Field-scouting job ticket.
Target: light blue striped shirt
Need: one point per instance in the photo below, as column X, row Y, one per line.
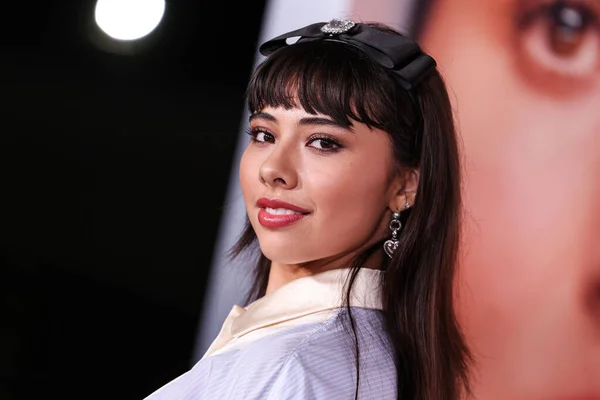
column 313, row 360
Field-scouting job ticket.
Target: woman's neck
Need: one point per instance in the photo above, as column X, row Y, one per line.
column 281, row 274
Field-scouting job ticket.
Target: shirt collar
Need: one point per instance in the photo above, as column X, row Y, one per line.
column 309, row 295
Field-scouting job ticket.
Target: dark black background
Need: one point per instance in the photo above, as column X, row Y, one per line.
column 115, row 161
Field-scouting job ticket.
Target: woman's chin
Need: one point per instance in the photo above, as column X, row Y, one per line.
column 280, row 257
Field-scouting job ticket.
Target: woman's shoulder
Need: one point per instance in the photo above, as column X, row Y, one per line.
column 350, row 335
column 331, row 340
column 308, row 361
column 325, row 364
column 320, row 360
column 331, row 337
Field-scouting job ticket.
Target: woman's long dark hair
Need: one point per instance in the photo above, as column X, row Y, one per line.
column 418, row 287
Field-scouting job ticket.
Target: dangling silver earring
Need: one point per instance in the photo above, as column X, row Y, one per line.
column 391, row 245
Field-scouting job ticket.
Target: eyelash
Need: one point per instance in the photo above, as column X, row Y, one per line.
column 254, row 132
column 325, row 139
column 547, row 8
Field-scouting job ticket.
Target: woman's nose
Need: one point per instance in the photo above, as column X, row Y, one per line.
column 279, row 169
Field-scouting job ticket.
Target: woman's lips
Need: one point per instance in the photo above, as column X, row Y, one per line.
column 275, row 213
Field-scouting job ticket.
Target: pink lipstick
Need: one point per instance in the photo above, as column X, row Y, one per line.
column 278, row 214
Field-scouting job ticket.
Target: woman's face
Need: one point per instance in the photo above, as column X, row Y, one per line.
column 525, row 80
column 314, row 190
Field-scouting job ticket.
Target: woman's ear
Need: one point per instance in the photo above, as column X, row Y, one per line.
column 404, row 191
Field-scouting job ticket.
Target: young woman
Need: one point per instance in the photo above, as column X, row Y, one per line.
column 351, row 181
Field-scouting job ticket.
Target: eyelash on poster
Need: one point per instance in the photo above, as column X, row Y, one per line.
column 531, row 9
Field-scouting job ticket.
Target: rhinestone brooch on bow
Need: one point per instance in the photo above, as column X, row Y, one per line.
column 337, row 26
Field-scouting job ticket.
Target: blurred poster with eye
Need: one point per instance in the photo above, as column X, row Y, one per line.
column 524, row 78
column 230, row 281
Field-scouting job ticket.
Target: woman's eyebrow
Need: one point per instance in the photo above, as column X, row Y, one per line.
column 321, row 121
column 262, row 115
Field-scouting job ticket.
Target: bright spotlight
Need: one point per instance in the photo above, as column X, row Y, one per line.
column 129, row 19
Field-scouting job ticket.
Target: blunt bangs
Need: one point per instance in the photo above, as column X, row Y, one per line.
column 325, row 77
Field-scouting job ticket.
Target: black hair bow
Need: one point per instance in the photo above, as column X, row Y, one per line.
column 397, row 53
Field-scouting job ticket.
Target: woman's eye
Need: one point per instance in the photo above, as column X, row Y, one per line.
column 260, row 136
column 324, row 144
column 562, row 37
